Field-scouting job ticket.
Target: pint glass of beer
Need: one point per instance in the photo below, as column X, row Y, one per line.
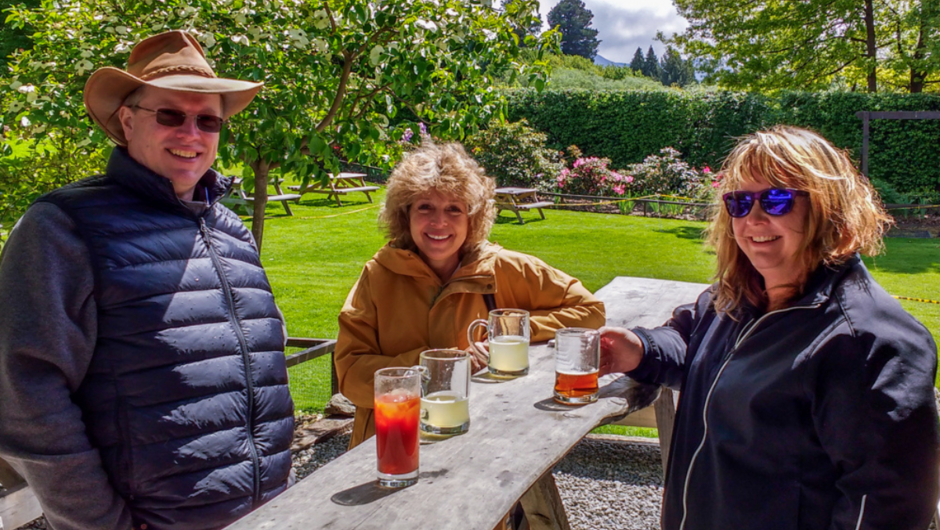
column 508, row 335
column 577, row 357
column 397, row 409
column 445, row 388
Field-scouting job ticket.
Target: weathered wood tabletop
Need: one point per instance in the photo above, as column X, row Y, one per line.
column 517, row 434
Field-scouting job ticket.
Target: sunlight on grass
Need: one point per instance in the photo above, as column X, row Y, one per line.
column 314, row 258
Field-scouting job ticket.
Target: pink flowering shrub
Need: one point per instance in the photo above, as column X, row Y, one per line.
column 591, row 176
column 667, row 174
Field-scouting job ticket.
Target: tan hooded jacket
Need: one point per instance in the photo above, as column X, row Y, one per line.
column 399, row 308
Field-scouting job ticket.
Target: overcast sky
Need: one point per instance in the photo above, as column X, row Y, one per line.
column 624, row 25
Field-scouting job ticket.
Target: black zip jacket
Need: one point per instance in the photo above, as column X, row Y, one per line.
column 817, row 416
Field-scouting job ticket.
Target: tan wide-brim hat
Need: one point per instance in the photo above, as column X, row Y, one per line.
column 174, row 61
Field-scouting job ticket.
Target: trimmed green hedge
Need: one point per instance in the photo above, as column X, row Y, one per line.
column 626, row 126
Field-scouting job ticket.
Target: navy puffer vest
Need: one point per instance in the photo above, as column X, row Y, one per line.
column 186, row 396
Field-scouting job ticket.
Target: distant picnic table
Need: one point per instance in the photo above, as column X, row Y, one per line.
column 469, row 482
column 520, row 199
column 336, row 185
column 237, row 197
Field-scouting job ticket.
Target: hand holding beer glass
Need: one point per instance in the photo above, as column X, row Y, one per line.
column 397, row 407
column 445, row 389
column 577, row 356
column 508, row 336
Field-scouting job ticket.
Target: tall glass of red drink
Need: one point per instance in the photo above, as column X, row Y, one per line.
column 397, row 409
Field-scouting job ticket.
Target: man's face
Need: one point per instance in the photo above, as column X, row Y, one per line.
column 182, row 154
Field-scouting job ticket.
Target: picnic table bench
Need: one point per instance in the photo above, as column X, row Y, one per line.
column 237, row 197
column 469, row 482
column 519, row 199
column 341, row 184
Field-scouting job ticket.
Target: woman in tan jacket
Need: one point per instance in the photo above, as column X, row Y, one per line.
column 424, row 288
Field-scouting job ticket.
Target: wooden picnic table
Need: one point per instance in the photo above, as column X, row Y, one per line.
column 469, row 482
column 519, row 199
column 237, row 197
column 337, row 185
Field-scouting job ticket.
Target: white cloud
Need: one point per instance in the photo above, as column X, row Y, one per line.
column 625, row 25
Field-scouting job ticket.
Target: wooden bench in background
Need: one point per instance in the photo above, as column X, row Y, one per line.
column 519, row 199
column 337, row 185
column 238, row 198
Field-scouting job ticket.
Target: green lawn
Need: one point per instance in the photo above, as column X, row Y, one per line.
column 315, row 257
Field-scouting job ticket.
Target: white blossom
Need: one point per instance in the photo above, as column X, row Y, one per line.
column 427, row 25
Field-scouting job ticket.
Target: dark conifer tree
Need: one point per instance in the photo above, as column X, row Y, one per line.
column 573, row 19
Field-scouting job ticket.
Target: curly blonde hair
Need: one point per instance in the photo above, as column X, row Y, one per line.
column 845, row 213
column 449, row 170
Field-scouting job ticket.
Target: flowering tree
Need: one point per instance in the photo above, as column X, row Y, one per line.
column 335, row 72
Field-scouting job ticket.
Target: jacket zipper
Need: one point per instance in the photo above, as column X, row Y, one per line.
column 243, row 343
column 745, row 333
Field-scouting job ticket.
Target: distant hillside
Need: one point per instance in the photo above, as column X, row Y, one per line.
column 601, row 61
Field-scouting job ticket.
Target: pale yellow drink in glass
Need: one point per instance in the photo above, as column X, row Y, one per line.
column 445, row 412
column 509, row 354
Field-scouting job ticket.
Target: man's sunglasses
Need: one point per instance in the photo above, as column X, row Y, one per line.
column 175, row 118
column 774, row 201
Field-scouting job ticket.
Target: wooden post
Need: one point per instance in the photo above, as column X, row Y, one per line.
column 542, row 505
column 865, row 115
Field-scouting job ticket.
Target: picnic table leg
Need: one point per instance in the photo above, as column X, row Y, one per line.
column 368, row 197
column 286, row 207
column 542, row 214
column 665, row 408
column 543, row 507
column 518, row 215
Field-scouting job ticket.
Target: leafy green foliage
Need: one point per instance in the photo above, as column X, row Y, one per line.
column 13, row 38
column 565, row 79
column 628, row 126
column 772, row 45
column 24, row 177
column 335, row 71
column 515, row 155
column 573, row 20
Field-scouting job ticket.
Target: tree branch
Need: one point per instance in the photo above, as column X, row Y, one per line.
column 340, row 92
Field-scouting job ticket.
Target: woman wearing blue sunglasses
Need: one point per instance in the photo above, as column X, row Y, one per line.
column 807, row 397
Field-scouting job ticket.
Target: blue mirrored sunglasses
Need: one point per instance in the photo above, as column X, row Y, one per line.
column 774, row 201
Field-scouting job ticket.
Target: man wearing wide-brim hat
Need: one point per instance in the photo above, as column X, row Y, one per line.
column 142, row 376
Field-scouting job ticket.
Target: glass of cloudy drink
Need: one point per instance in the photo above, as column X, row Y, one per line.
column 577, row 357
column 445, row 390
column 508, row 336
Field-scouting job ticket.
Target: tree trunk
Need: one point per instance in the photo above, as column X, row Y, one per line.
column 260, row 168
column 918, row 76
column 871, row 51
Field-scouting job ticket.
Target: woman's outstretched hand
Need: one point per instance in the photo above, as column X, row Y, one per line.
column 621, row 350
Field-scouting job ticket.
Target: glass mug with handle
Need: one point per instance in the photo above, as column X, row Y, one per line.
column 577, row 359
column 445, row 392
column 397, row 409
column 508, row 335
